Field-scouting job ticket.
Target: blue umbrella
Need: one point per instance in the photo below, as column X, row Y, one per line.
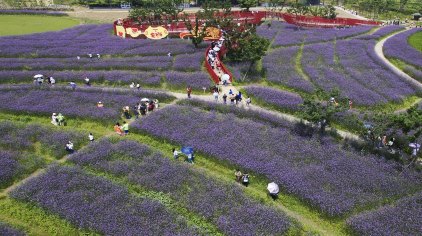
column 187, row 150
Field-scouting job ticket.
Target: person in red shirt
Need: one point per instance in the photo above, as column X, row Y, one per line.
column 189, row 91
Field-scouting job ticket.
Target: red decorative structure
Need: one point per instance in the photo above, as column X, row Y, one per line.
column 315, row 21
column 211, row 71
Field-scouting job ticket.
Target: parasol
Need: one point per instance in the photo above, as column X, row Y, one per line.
column 144, row 100
column 38, row 76
column 225, row 77
column 187, row 150
column 414, row 145
column 273, row 188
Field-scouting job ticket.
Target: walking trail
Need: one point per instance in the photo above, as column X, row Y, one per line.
column 379, row 52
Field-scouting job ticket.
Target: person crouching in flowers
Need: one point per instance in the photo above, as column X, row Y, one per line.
column 117, row 129
column 69, row 147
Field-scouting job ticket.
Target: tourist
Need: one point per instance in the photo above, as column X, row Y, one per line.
column 132, row 85
column 156, row 103
column 60, row 119
column 143, row 108
column 175, row 153
column 117, row 129
column 40, row 80
column 52, row 81
column 191, row 158
column 137, row 110
column 215, row 94
column 151, row 106
column 54, row 119
column 138, row 86
column 126, row 114
column 73, row 85
column 98, row 56
column 91, row 137
column 232, row 98
column 245, row 179
column 248, row 101
column 87, row 83
column 69, row 147
column 230, row 92
column 350, row 104
column 90, row 55
column 189, row 91
column 225, row 99
column 384, row 140
column 125, row 128
column 100, row 104
column 238, row 176
column 78, row 57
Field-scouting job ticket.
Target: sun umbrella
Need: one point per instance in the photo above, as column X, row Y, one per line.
column 187, row 150
column 144, row 100
column 38, row 76
column 416, row 14
column 273, row 188
column 225, row 77
column 414, row 145
column 216, row 49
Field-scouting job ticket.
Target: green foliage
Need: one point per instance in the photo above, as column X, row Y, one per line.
column 247, row 48
column 327, row 11
column 246, row 4
column 156, row 12
column 415, row 40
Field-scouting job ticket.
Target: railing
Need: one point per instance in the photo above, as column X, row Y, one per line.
column 211, row 71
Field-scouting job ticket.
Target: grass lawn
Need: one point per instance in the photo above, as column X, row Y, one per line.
column 28, row 24
column 416, row 40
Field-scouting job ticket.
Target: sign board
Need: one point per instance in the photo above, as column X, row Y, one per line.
column 134, row 32
column 156, row 32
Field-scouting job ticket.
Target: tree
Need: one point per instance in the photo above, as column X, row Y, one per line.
column 247, row 4
column 197, row 30
column 248, row 48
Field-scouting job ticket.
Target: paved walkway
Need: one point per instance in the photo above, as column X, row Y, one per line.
column 379, row 52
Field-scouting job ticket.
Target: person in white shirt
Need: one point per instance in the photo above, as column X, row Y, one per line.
column 175, row 153
column 54, row 119
column 69, row 147
column 91, row 137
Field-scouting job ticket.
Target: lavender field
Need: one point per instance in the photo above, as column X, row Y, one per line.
column 329, row 178
column 224, row 205
column 117, row 184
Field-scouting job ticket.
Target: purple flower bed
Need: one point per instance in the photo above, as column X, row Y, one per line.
column 280, row 66
column 189, row 62
column 322, row 174
column 398, row 47
column 80, row 103
column 196, row 80
column 293, row 35
column 383, row 31
column 9, row 231
column 114, row 77
column 31, row 12
column 95, row 203
column 357, row 73
column 225, row 205
column 138, row 63
column 81, row 40
column 270, row 32
column 8, row 167
column 280, row 99
column 358, row 58
column 22, row 138
column 402, row 218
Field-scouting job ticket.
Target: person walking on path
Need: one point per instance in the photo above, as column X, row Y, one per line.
column 225, row 99
column 91, row 137
column 60, row 119
column 238, row 176
column 125, row 128
column 215, row 94
column 73, row 85
column 138, row 86
column 350, row 104
column 189, row 91
column 54, row 119
column 175, row 153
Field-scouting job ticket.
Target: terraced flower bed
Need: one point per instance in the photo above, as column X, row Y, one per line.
column 398, row 219
column 24, row 148
column 224, row 205
column 97, row 204
column 329, row 178
column 280, row 99
column 80, row 103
